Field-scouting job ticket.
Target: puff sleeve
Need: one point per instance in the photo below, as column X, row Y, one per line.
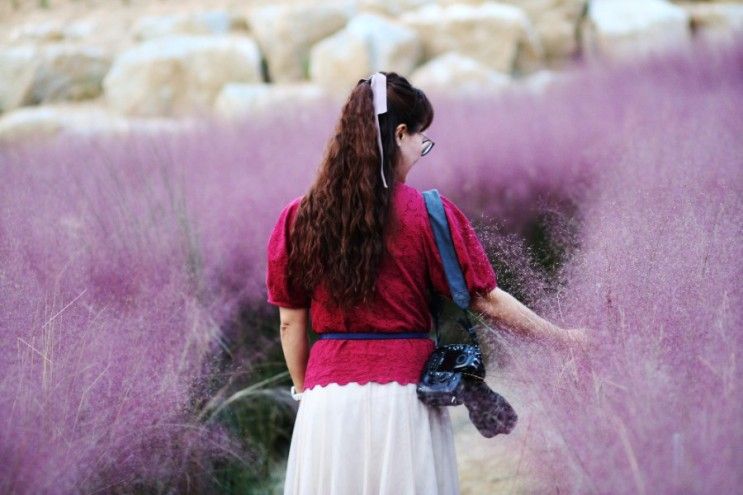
column 479, row 274
column 279, row 289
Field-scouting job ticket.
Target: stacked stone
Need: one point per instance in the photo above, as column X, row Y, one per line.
column 234, row 64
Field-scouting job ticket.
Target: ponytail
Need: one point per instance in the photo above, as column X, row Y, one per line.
column 338, row 235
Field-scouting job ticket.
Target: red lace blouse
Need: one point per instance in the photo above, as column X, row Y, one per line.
column 407, row 276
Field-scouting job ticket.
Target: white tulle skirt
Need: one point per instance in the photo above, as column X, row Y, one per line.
column 370, row 439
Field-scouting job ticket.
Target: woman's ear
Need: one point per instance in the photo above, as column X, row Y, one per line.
column 400, row 132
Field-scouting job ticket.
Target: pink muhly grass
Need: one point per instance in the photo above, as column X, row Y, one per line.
column 103, row 329
column 650, row 156
column 100, row 338
column 125, row 263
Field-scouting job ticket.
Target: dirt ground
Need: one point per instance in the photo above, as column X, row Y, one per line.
column 498, row 465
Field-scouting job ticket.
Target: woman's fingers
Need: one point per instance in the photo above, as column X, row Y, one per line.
column 578, row 337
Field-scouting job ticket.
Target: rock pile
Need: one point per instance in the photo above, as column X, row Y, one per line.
column 236, row 62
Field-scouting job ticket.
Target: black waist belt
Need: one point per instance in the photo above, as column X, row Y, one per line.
column 372, row 335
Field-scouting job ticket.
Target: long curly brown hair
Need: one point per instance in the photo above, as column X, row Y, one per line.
column 338, row 235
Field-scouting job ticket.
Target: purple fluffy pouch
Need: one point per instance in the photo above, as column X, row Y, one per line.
column 489, row 411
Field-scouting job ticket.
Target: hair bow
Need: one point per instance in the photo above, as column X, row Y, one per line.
column 378, row 83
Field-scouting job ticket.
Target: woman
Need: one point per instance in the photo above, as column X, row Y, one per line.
column 359, row 247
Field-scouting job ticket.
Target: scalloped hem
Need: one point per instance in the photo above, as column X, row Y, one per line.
column 343, row 383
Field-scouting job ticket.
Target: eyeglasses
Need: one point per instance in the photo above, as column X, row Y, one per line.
column 427, row 145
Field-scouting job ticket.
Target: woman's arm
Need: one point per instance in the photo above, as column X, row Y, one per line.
column 295, row 343
column 508, row 312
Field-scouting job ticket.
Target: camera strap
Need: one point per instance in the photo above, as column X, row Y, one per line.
column 452, row 269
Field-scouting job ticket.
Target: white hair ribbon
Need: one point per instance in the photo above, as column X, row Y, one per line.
column 379, row 91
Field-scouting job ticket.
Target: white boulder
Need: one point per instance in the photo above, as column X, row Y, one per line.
column 499, row 36
column 69, row 72
column 454, row 73
column 34, row 74
column 337, row 60
column 624, row 28
column 206, row 22
column 84, row 30
column 555, row 22
column 178, row 75
column 38, row 123
column 33, row 124
column 391, row 7
column 539, row 82
column 17, row 71
column 55, row 30
column 40, row 31
column 367, row 44
column 30, row 123
column 715, row 20
column 240, row 100
column 286, row 33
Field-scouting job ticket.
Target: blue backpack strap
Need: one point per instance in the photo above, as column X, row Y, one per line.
column 440, row 226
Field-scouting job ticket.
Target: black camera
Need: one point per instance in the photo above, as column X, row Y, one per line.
column 462, row 358
column 442, row 381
